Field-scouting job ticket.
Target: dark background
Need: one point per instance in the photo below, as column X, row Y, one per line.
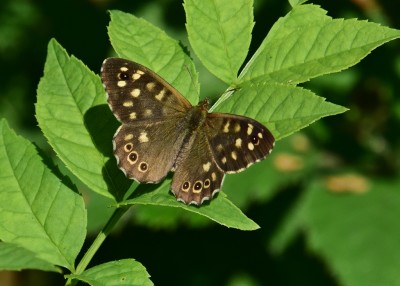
column 206, row 254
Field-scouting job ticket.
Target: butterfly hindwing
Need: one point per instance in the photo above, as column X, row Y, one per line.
column 237, row 141
column 147, row 152
column 197, row 177
column 136, row 93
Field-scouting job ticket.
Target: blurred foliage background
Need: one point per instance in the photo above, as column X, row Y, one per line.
column 345, row 153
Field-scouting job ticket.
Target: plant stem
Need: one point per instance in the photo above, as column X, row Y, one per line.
column 118, row 213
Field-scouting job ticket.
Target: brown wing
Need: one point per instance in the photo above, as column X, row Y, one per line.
column 197, row 177
column 148, row 142
column 137, row 93
column 237, row 141
column 147, row 152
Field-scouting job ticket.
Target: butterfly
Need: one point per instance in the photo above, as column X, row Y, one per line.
column 161, row 132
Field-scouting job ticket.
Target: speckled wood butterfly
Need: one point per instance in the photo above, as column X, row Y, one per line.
column 161, row 132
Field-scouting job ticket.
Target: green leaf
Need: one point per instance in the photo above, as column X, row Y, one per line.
column 284, row 109
column 37, row 212
column 357, row 234
column 220, row 209
column 306, row 43
column 138, row 40
column 73, row 116
column 16, row 258
column 220, row 34
column 121, row 272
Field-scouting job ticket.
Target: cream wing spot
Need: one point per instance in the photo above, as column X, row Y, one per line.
column 223, row 160
column 132, row 115
column 128, row 137
column 150, row 86
column 249, row 128
column 213, row 176
column 206, row 167
column 159, row 96
column 123, row 69
column 220, row 147
column 121, row 83
column 250, row 146
column 226, row 127
column 238, row 143
column 135, row 92
column 260, row 135
column 236, row 128
column 137, row 74
column 234, row 155
column 128, row 103
column 143, row 137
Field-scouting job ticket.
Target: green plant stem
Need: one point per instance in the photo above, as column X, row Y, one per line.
column 115, row 217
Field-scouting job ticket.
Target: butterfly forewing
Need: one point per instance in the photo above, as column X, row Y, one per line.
column 148, row 142
column 136, row 93
column 237, row 141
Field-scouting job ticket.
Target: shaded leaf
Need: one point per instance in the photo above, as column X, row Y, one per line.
column 354, row 232
column 351, row 231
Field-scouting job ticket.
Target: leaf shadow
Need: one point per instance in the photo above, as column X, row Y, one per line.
column 144, row 189
column 101, row 125
column 55, row 169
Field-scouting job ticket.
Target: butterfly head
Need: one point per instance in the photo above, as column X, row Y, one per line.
column 204, row 104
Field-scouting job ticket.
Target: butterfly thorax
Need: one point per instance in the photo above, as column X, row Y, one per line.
column 197, row 115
